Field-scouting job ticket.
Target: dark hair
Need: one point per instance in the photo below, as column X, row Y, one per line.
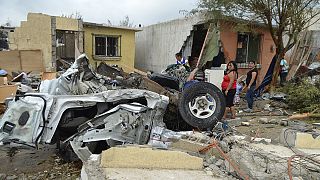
column 235, row 67
column 254, row 62
column 179, row 54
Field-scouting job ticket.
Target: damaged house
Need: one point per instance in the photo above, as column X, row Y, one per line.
column 55, row 37
column 59, row 40
column 110, row 44
column 157, row 44
column 82, row 108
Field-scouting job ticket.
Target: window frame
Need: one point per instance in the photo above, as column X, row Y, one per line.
column 249, row 36
column 106, row 56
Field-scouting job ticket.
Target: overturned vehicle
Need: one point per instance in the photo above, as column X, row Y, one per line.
column 91, row 112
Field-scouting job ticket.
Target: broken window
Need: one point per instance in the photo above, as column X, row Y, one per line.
column 248, row 47
column 65, row 44
column 107, row 46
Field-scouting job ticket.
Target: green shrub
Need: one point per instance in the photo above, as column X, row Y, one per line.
column 302, row 96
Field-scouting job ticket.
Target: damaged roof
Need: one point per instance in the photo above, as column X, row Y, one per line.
column 90, row 24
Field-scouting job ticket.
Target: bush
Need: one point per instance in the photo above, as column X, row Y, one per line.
column 303, row 96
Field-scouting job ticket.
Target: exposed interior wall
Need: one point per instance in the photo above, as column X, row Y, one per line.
column 21, row 60
column 63, row 23
column 38, row 32
column 34, row 34
column 229, row 38
column 157, row 44
column 127, row 46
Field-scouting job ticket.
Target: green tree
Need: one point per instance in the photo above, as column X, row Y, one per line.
column 126, row 22
column 281, row 17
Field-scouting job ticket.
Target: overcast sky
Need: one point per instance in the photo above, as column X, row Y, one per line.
column 143, row 12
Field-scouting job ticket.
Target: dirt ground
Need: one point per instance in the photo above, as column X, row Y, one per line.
column 28, row 163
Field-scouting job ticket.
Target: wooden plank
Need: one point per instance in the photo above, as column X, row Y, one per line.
column 206, row 40
column 48, row 75
column 7, row 91
column 32, row 60
column 10, row 61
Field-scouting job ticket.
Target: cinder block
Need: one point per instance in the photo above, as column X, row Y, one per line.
column 137, row 157
column 188, row 145
column 306, row 140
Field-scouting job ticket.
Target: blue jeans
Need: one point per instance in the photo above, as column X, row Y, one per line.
column 250, row 96
column 283, row 76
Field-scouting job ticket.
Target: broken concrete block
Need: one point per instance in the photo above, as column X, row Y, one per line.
column 136, row 157
column 228, row 167
column 209, row 173
column 263, row 140
column 307, row 140
column 219, row 162
column 150, row 174
column 273, row 121
column 205, row 164
column 245, row 123
column 211, row 159
column 288, row 137
column 264, row 120
column 188, row 145
column 284, row 123
column 294, row 138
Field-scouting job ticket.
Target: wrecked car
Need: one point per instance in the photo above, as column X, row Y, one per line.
column 91, row 112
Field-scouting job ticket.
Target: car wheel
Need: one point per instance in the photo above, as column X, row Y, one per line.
column 202, row 105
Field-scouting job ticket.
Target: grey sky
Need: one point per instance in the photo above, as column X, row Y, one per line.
column 143, row 12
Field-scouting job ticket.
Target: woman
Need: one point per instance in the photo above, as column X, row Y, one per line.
column 228, row 86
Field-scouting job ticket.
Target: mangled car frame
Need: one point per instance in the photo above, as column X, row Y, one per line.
column 91, row 112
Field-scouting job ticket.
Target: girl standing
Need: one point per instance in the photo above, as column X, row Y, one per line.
column 228, row 86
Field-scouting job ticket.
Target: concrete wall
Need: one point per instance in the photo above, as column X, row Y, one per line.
column 229, row 38
column 157, row 44
column 126, row 60
column 34, row 34
column 23, row 60
column 37, row 34
column 63, row 23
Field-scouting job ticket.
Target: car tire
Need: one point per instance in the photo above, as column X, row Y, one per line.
column 202, row 105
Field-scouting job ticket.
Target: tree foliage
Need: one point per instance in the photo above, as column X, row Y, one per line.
column 76, row 15
column 283, row 18
column 126, row 22
column 303, row 96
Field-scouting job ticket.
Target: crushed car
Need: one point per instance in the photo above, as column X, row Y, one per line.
column 91, row 112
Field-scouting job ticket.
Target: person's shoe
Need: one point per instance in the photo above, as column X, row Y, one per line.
column 248, row 110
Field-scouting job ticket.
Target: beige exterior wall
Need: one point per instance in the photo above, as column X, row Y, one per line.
column 63, row 23
column 36, row 34
column 126, row 61
column 22, row 60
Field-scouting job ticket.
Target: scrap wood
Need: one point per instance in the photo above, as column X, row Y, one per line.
column 313, row 114
column 48, row 75
column 2, row 108
column 299, row 116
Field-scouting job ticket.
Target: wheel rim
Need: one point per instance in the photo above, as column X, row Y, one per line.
column 202, row 106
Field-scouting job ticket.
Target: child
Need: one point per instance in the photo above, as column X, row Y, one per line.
column 239, row 88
